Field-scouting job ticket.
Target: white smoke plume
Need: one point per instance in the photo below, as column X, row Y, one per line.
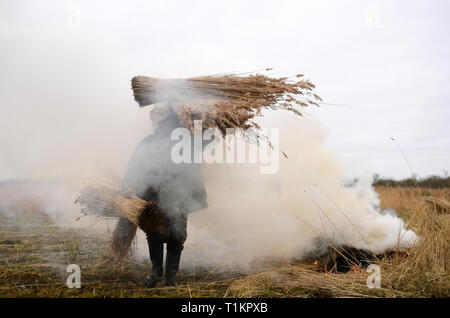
column 67, row 107
column 64, row 135
column 282, row 215
column 252, row 215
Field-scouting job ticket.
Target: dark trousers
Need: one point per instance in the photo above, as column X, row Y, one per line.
column 173, row 232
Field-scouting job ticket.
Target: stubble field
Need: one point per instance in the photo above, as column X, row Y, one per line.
column 34, row 254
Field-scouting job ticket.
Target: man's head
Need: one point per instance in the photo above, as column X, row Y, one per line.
column 160, row 112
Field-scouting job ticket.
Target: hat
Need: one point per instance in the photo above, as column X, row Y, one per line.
column 160, row 111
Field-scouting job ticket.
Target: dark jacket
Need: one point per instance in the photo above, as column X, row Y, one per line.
column 152, row 175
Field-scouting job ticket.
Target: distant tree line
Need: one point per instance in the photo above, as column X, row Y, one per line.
column 431, row 182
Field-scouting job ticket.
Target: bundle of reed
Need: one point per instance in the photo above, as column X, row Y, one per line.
column 122, row 238
column 230, row 101
column 107, row 200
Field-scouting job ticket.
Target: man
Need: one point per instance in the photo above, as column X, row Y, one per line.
column 178, row 188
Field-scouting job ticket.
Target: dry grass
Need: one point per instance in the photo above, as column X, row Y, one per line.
column 408, row 199
column 299, row 281
column 34, row 253
column 425, row 272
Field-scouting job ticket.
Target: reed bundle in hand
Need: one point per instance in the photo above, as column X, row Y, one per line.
column 229, row 101
column 106, row 200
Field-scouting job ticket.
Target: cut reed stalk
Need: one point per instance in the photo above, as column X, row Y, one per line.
column 229, row 101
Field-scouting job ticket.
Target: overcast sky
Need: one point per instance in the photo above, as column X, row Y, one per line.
column 386, row 62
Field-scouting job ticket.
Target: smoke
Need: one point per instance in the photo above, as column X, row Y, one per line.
column 250, row 215
column 67, row 107
column 254, row 216
column 73, row 122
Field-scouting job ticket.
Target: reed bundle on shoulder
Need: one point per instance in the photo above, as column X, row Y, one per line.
column 229, row 101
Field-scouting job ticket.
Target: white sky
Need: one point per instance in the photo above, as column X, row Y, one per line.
column 388, row 60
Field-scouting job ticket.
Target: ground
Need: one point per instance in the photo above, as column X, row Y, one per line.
column 34, row 254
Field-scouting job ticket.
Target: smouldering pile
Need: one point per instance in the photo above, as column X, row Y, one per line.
column 229, row 101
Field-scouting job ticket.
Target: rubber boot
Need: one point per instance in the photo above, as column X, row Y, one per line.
column 175, row 245
column 172, row 265
column 156, row 249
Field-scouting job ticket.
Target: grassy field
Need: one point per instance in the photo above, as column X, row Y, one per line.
column 34, row 253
